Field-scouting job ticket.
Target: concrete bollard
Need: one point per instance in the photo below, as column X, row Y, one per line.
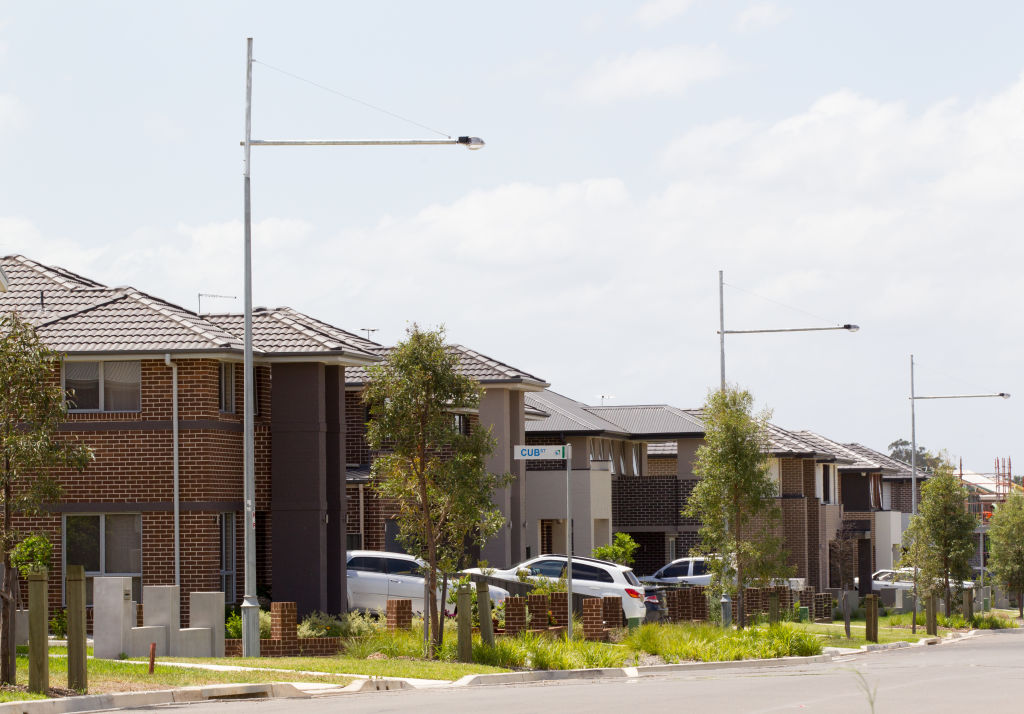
column 726, row 605
column 871, row 618
column 74, row 592
column 464, row 604
column 38, row 642
column 483, row 606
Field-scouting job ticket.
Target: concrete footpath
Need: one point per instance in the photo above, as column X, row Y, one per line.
column 366, row 683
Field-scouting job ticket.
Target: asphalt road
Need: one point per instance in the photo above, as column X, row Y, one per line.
column 983, row 674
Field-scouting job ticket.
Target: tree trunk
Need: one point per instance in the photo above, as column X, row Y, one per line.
column 740, row 618
column 7, row 599
column 444, row 606
column 1020, row 603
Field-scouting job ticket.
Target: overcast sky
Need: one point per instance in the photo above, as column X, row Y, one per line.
column 841, row 162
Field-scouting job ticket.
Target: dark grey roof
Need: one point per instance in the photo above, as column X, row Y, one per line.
column 651, row 421
column 484, row 369
column 844, row 457
column 894, row 469
column 568, row 416
column 76, row 315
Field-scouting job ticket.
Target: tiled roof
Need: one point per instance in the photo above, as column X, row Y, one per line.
column 781, row 442
column 284, row 331
column 568, row 416
column 651, row 420
column 76, row 315
column 484, row 369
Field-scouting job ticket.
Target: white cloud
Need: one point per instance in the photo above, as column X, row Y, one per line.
column 13, row 112
column 658, row 12
column 647, row 73
column 761, row 15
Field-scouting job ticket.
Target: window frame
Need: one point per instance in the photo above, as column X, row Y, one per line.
column 227, row 526
column 101, row 573
column 101, row 387
column 226, row 380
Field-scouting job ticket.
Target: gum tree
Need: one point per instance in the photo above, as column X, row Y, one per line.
column 734, row 500
column 943, row 534
column 32, row 406
column 436, row 474
column 1006, row 538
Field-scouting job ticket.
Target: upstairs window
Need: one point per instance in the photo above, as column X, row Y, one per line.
column 227, row 387
column 461, row 423
column 103, row 386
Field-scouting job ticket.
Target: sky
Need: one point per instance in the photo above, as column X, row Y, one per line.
column 840, row 162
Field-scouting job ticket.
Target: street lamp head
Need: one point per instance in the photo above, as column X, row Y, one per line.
column 851, row 328
column 472, row 142
column 1004, row 395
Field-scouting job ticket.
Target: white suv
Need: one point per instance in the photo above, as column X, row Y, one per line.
column 681, row 571
column 590, row 576
column 375, row 576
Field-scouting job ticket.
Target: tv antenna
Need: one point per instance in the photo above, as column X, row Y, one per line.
column 200, row 296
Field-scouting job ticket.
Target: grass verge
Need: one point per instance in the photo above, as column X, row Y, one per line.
column 707, row 643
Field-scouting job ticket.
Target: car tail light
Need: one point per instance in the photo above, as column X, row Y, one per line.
column 651, row 598
column 634, row 593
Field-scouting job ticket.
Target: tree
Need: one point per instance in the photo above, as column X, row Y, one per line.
column 942, row 534
column 842, row 554
column 1006, row 538
column 734, row 500
column 436, row 474
column 620, row 550
column 32, row 406
column 926, row 460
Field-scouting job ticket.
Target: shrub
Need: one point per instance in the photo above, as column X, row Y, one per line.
column 233, row 626
column 620, row 551
column 706, row 643
column 59, row 624
column 35, row 551
column 352, row 624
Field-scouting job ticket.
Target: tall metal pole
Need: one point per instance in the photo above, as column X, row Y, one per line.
column 721, row 324
column 568, row 534
column 250, row 605
column 913, row 443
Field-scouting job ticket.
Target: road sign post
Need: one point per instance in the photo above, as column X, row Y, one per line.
column 529, row 453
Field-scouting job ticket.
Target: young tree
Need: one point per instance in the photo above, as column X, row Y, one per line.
column 926, row 460
column 735, row 497
column 620, row 551
column 32, row 406
column 943, row 534
column 436, row 474
column 1006, row 538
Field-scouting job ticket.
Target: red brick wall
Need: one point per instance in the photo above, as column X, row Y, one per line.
column 133, row 465
column 661, row 465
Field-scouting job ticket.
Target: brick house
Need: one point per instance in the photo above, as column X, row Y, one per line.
column 503, row 409
column 157, row 394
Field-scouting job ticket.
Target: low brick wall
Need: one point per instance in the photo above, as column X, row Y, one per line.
column 305, row 647
column 560, row 608
column 593, row 618
column 538, row 606
column 399, row 614
column 515, row 615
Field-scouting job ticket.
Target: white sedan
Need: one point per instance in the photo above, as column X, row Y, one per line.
column 376, row 576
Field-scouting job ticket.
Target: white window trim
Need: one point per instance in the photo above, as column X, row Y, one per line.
column 103, row 549
column 102, row 382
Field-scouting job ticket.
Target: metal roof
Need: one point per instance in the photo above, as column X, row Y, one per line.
column 651, row 420
column 894, row 469
column 568, row 416
column 844, row 457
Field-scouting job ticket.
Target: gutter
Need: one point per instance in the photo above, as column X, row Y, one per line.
column 174, row 458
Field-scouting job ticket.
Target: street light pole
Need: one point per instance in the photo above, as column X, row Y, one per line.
column 722, row 332
column 250, row 604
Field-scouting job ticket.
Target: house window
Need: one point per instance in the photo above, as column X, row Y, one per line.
column 826, row 483
column 103, row 386
column 461, row 424
column 105, row 544
column 227, row 557
column 227, row 387
column 353, row 541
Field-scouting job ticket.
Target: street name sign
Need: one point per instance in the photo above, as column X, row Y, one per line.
column 540, row 452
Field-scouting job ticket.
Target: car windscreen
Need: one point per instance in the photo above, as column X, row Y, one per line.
column 677, row 570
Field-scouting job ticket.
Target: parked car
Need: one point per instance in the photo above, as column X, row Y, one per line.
column 590, row 576
column 374, row 576
column 654, row 601
column 681, row 571
column 902, row 579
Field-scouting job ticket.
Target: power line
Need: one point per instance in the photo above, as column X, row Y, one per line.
column 782, row 304
column 353, row 99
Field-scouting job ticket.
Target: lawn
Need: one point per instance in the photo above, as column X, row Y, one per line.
column 107, row 676
column 401, row 666
column 834, row 635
